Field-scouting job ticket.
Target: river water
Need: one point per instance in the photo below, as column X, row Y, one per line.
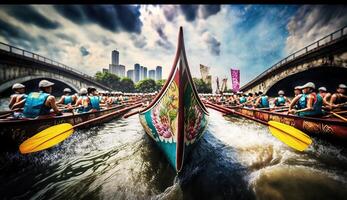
column 235, row 159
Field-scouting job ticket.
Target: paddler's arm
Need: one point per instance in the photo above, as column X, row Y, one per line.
column 12, row 101
column 325, row 100
column 332, row 101
column 293, row 103
column 18, row 104
column 61, row 100
column 50, row 102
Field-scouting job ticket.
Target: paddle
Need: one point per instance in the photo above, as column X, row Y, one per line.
column 339, row 116
column 285, row 133
column 55, row 134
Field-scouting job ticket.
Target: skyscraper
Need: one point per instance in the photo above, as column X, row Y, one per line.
column 151, row 74
column 144, row 72
column 115, row 57
column 158, row 73
column 141, row 73
column 130, row 74
column 120, row 70
column 137, row 72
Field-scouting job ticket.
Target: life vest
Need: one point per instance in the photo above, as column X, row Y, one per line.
column 35, row 105
column 95, row 102
column 317, row 105
column 67, row 99
column 280, row 101
column 264, row 102
column 243, row 99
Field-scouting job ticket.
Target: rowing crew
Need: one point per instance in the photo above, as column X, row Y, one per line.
column 40, row 103
column 306, row 101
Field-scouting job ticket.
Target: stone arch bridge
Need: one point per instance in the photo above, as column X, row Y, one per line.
column 18, row 65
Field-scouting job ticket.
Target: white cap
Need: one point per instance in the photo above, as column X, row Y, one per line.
column 280, row 92
column 83, row 91
column 67, row 90
column 17, row 86
column 322, row 89
column 342, row 86
column 297, row 88
column 45, row 83
column 308, row 85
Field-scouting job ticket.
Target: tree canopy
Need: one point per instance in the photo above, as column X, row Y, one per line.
column 201, row 86
column 146, row 85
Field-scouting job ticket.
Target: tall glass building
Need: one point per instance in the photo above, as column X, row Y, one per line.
column 151, row 74
column 137, row 72
column 158, row 73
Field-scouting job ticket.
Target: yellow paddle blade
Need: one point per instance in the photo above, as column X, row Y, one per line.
column 290, row 135
column 46, row 138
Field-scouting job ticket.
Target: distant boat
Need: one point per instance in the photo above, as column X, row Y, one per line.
column 176, row 119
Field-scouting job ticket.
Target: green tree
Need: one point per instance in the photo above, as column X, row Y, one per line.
column 127, row 85
column 201, row 86
column 108, row 79
column 160, row 83
column 146, row 85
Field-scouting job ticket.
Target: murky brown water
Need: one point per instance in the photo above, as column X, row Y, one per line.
column 236, row 159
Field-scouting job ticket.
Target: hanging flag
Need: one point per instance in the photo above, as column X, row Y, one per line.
column 235, row 79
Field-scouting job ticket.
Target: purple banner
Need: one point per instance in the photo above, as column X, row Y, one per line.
column 235, row 79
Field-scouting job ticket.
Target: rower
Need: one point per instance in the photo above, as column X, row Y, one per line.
column 67, row 99
column 262, row 101
column 94, row 98
column 309, row 103
column 338, row 101
column 18, row 95
column 250, row 100
column 326, row 97
column 40, row 103
column 242, row 98
column 281, row 99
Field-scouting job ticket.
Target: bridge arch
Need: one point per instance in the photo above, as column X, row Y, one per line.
column 327, row 76
column 6, row 88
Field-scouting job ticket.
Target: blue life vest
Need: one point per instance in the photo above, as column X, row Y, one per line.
column 302, row 102
column 94, row 101
column 67, row 99
column 317, row 106
column 243, row 99
column 264, row 102
column 281, row 101
column 93, row 104
column 35, row 105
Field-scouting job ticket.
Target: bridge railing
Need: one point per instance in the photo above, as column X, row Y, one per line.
column 322, row 42
column 28, row 54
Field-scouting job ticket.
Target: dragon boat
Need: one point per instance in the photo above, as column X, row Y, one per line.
column 176, row 119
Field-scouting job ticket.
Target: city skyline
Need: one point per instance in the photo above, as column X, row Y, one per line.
column 251, row 37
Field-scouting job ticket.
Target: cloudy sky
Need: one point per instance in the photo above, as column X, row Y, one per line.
column 246, row 37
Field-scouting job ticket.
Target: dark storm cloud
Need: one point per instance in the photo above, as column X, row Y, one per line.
column 84, row 51
column 313, row 22
column 209, row 10
column 15, row 35
column 164, row 44
column 189, row 11
column 138, row 41
column 66, row 37
column 170, row 12
column 113, row 18
column 29, row 15
column 213, row 44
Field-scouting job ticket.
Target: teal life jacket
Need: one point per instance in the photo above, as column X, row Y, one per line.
column 317, row 106
column 281, row 101
column 85, row 105
column 243, row 99
column 264, row 102
column 95, row 102
column 67, row 99
column 302, row 102
column 35, row 105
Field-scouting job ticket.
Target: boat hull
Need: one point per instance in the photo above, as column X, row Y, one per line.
column 176, row 119
column 14, row 132
column 313, row 126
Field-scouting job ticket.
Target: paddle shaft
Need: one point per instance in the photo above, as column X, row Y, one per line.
column 339, row 116
column 228, row 111
column 107, row 115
